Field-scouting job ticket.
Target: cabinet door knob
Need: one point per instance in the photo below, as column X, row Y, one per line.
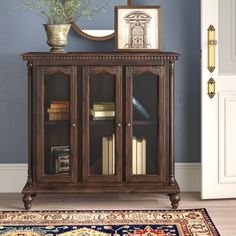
column 74, row 125
column 118, row 124
column 128, row 125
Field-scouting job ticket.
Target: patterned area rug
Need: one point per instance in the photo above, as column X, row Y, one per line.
column 101, row 223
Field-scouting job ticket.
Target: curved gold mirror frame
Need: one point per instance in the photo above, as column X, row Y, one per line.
column 91, row 37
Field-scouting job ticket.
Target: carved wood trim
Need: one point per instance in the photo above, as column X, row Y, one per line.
column 171, row 122
column 30, row 122
column 114, row 57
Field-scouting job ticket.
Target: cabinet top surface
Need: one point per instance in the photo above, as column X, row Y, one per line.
column 101, row 56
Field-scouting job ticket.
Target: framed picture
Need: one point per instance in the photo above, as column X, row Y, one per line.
column 138, row 28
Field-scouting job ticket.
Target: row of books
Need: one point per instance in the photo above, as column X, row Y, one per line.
column 106, row 110
column 139, row 157
column 60, row 157
column 108, row 155
column 103, row 111
column 59, row 110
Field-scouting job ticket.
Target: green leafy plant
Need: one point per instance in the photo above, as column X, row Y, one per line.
column 63, row 11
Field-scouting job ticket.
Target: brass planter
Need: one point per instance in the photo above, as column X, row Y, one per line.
column 57, row 37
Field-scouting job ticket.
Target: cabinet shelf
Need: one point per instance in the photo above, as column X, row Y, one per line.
column 144, row 123
column 56, row 122
column 101, row 122
column 104, row 122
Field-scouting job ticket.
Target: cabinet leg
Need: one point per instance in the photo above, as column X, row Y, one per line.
column 27, row 199
column 174, row 198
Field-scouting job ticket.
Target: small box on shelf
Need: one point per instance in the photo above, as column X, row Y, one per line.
column 60, row 160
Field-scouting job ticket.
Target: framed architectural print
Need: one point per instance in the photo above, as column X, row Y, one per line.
column 138, row 28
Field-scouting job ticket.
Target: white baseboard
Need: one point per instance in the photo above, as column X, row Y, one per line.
column 188, row 176
column 13, row 177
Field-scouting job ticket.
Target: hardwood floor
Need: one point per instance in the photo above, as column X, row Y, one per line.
column 222, row 212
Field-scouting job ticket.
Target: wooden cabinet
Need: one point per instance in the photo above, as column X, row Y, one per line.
column 101, row 123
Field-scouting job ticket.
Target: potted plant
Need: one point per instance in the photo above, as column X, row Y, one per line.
column 58, row 15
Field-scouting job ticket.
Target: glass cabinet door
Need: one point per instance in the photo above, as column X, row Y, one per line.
column 57, row 124
column 102, row 125
column 145, row 126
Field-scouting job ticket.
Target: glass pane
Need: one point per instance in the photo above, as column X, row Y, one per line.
column 57, row 125
column 227, row 37
column 102, row 128
column 145, row 107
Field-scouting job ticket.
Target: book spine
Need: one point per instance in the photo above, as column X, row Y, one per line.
column 103, row 107
column 51, row 116
column 144, row 159
column 57, row 110
column 113, row 155
column 60, row 104
column 110, row 152
column 139, row 157
column 105, row 156
column 102, row 113
column 134, row 155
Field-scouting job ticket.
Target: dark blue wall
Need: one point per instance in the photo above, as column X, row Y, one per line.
column 22, row 31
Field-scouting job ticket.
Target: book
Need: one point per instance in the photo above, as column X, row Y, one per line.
column 113, row 154
column 134, row 155
column 102, row 113
column 110, row 154
column 60, row 104
column 103, row 106
column 60, row 159
column 57, row 110
column 144, row 158
column 140, row 108
column 139, row 157
column 105, row 156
